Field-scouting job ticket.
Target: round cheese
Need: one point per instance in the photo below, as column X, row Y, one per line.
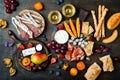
column 61, row 36
column 38, row 47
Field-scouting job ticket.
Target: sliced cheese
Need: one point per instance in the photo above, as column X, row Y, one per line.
column 89, row 48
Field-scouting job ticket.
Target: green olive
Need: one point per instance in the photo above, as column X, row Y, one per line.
column 55, row 17
column 68, row 10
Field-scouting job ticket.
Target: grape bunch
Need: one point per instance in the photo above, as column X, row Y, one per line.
column 10, row 5
column 101, row 48
column 59, row 48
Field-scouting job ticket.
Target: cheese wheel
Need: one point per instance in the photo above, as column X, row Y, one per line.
column 61, row 36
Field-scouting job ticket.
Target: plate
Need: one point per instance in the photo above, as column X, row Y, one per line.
column 29, row 24
column 44, row 51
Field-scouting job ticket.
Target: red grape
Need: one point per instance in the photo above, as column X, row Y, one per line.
column 106, row 49
column 8, row 6
column 8, row 10
column 34, row 68
column 39, row 68
column 49, row 45
column 58, row 46
column 116, row 59
column 13, row 8
column 6, row 1
column 57, row 50
column 53, row 42
column 97, row 50
column 12, row 1
column 53, row 47
column 62, row 51
column 102, row 47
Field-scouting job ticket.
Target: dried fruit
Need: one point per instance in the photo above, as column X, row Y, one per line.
column 12, row 71
column 80, row 65
column 73, row 72
column 26, row 61
column 8, row 62
column 38, row 6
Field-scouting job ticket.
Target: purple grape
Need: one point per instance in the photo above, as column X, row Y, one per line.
column 8, row 6
column 39, row 68
column 34, row 68
column 116, row 59
column 101, row 47
column 13, row 8
column 62, row 51
column 58, row 46
column 63, row 47
column 53, row 47
column 49, row 45
column 106, row 49
column 6, row 1
column 8, row 10
column 53, row 43
column 97, row 51
column 12, row 1
column 57, row 50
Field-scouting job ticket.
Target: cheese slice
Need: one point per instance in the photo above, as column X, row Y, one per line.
column 89, row 48
column 85, row 28
column 29, row 51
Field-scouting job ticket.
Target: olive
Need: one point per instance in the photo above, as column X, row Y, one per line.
column 55, row 17
column 68, row 10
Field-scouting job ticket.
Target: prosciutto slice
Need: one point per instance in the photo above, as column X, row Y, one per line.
column 74, row 53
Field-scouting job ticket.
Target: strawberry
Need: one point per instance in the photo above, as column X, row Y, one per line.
column 28, row 68
column 61, row 56
column 60, row 27
column 20, row 46
column 29, row 45
column 53, row 60
column 90, row 38
column 31, row 64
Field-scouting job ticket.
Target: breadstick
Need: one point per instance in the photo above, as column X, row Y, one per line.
column 94, row 19
column 100, row 23
column 103, row 25
column 99, row 16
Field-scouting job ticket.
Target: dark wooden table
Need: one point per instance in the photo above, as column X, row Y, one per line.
column 112, row 5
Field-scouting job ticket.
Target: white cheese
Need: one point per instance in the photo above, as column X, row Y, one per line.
column 29, row 51
column 38, row 47
column 61, row 36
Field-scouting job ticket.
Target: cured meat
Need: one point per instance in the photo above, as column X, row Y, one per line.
column 35, row 30
column 73, row 53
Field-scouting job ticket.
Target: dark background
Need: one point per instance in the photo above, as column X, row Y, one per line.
column 112, row 5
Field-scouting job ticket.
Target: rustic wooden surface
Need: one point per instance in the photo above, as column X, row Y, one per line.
column 112, row 5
